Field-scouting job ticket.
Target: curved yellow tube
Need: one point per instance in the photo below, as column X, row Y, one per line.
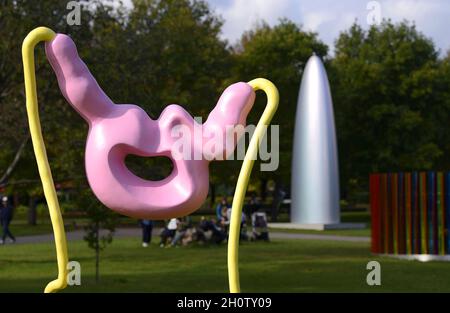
column 45, row 34
column 244, row 177
column 33, row 38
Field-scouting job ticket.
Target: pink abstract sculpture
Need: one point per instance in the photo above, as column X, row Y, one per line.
column 118, row 130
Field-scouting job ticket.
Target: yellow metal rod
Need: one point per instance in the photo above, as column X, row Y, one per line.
column 244, row 177
column 33, row 38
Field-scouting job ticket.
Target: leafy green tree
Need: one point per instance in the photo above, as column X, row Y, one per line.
column 442, row 115
column 278, row 53
column 387, row 111
column 99, row 230
column 17, row 164
column 177, row 57
column 157, row 53
column 390, row 88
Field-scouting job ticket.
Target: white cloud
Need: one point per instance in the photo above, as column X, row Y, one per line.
column 329, row 17
column 411, row 9
column 313, row 20
column 431, row 17
column 242, row 15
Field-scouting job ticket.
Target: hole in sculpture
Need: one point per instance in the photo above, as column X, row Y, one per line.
column 149, row 168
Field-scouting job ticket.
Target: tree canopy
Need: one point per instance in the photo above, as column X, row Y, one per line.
column 389, row 85
column 390, row 113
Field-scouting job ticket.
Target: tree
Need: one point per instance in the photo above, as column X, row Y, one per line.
column 387, row 111
column 156, row 53
column 17, row 164
column 177, row 57
column 442, row 92
column 278, row 53
column 100, row 227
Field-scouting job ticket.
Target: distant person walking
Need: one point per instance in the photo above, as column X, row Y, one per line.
column 6, row 214
column 147, row 227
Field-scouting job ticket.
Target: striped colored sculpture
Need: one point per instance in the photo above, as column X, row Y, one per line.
column 410, row 213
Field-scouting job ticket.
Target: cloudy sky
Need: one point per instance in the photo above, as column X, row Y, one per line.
column 329, row 17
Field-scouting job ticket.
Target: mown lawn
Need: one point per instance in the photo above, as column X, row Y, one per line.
column 278, row 266
column 364, row 232
column 20, row 227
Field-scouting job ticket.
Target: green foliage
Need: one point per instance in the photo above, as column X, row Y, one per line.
column 157, row 53
column 442, row 94
column 61, row 126
column 99, row 230
column 279, row 54
column 389, row 86
column 384, row 83
column 99, row 218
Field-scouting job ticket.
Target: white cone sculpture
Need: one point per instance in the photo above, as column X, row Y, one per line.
column 315, row 174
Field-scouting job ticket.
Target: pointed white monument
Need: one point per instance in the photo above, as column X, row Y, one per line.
column 315, row 174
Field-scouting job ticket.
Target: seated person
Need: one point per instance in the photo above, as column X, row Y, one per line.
column 169, row 231
column 243, row 233
column 218, row 235
column 221, row 209
column 182, row 232
column 260, row 231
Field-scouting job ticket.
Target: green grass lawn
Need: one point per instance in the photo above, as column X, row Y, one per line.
column 337, row 232
column 19, row 226
column 278, row 266
column 346, row 217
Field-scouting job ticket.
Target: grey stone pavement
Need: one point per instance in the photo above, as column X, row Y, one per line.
column 136, row 232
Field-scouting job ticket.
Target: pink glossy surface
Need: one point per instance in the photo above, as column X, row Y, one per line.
column 118, row 130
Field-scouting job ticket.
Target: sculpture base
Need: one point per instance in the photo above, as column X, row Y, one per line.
column 318, row 226
column 418, row 257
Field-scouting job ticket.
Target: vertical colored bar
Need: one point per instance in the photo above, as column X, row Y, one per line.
column 401, row 230
column 415, row 206
column 372, row 212
column 390, row 246
column 375, row 212
column 440, row 212
column 408, row 212
column 447, row 212
column 383, row 201
column 435, row 233
column 394, row 208
column 414, row 231
column 431, row 212
column 443, row 214
column 423, row 213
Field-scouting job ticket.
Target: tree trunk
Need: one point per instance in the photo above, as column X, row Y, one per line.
column 263, row 190
column 277, row 201
column 32, row 212
column 12, row 166
column 212, row 194
column 16, row 199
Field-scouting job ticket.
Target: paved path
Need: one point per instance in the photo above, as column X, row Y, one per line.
column 136, row 232
column 281, row 235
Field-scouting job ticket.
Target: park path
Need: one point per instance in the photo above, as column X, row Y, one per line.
column 136, row 232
